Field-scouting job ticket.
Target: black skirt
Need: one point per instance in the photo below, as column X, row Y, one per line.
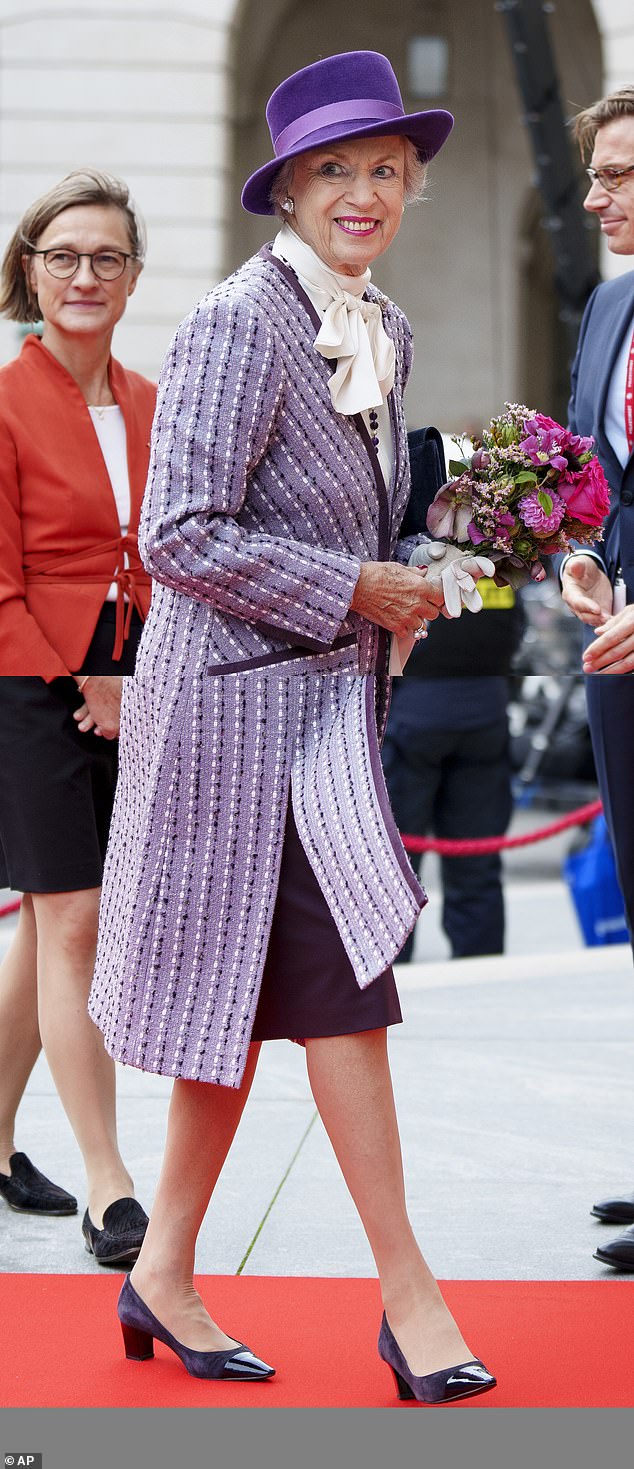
column 56, row 784
column 308, row 986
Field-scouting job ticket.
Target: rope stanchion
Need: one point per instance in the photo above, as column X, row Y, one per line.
column 467, row 847
column 10, row 908
column 477, row 846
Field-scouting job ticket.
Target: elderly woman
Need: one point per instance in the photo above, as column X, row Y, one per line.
column 74, row 449
column 256, row 885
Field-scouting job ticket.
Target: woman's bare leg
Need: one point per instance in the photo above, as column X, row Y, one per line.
column 83, row 1072
column 352, row 1086
column 201, row 1126
column 20, row 1042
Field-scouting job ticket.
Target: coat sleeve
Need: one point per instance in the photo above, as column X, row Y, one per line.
column 24, row 649
column 219, row 398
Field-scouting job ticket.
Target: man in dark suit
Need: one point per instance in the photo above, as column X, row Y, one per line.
column 598, row 585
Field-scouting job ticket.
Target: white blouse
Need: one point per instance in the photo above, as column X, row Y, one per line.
column 109, row 426
column 287, row 246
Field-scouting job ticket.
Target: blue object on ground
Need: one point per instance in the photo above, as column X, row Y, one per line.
column 594, row 888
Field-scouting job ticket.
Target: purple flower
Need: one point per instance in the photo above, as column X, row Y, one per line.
column 548, row 442
column 544, row 445
column 475, row 535
column 542, row 511
column 579, row 445
column 480, row 460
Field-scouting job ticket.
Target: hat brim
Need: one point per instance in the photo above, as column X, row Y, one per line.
column 426, row 130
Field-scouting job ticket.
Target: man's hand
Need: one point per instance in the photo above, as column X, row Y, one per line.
column 101, row 709
column 586, row 589
column 613, row 648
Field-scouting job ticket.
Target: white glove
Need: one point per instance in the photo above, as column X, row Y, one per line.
column 455, row 569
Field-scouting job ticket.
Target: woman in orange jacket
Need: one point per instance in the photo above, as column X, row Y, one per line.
column 74, row 447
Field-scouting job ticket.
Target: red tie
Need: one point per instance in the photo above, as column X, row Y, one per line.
column 629, row 399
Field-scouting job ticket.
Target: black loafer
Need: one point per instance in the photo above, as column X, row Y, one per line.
column 619, row 1253
column 615, row 1211
column 119, row 1242
column 29, row 1192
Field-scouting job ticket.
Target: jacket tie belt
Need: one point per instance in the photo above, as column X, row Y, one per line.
column 130, row 578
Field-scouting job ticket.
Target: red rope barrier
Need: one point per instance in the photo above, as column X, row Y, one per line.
column 473, row 847
column 10, row 908
column 477, row 846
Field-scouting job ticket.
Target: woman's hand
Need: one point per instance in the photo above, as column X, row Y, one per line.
column 101, row 709
column 396, row 597
column 586, row 589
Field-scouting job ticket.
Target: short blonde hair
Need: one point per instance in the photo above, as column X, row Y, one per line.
column 414, row 175
column 83, row 186
column 587, row 123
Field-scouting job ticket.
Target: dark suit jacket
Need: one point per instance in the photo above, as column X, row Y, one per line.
column 607, row 317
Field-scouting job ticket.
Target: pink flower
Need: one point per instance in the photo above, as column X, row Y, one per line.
column 572, row 443
column 442, row 512
column 450, row 512
column 542, row 511
column 587, row 494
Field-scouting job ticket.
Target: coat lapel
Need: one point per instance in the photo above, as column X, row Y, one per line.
column 614, row 328
column 381, row 487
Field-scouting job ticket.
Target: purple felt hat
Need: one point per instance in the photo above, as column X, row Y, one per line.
column 353, row 95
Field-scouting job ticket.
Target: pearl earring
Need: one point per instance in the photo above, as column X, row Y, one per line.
column 288, row 206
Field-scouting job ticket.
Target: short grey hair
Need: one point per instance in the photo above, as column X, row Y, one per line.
column 414, row 176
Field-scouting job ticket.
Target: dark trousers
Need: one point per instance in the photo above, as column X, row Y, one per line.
column 456, row 783
column 610, row 701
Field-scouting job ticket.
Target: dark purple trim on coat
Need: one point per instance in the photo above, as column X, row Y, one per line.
column 310, row 645
column 382, row 491
column 384, row 504
column 283, row 655
column 290, row 276
column 385, row 516
column 382, row 795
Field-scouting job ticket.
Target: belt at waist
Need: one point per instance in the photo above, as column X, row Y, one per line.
column 130, row 579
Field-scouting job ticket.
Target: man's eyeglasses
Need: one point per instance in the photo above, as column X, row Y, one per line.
column 609, row 178
column 107, row 265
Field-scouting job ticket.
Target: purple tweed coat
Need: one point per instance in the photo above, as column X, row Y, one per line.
column 253, row 680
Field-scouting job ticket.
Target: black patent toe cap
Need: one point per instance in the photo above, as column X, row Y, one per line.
column 245, row 1365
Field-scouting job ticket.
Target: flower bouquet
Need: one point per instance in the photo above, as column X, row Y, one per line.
column 530, row 488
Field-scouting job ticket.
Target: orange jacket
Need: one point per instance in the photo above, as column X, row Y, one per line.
column 60, row 538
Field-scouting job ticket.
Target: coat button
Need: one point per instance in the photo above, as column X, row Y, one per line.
column 627, row 497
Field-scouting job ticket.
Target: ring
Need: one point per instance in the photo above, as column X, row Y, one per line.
column 420, row 632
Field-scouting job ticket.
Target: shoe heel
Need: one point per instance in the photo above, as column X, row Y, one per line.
column 139, row 1345
column 402, row 1387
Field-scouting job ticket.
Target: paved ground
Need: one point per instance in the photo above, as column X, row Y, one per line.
column 513, row 1082
column 514, row 1093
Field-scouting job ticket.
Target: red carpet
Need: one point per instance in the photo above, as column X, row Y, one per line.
column 551, row 1344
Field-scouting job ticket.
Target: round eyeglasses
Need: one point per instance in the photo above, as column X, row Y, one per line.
column 610, row 179
column 107, row 265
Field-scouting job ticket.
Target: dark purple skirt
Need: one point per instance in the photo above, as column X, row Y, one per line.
column 309, row 987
